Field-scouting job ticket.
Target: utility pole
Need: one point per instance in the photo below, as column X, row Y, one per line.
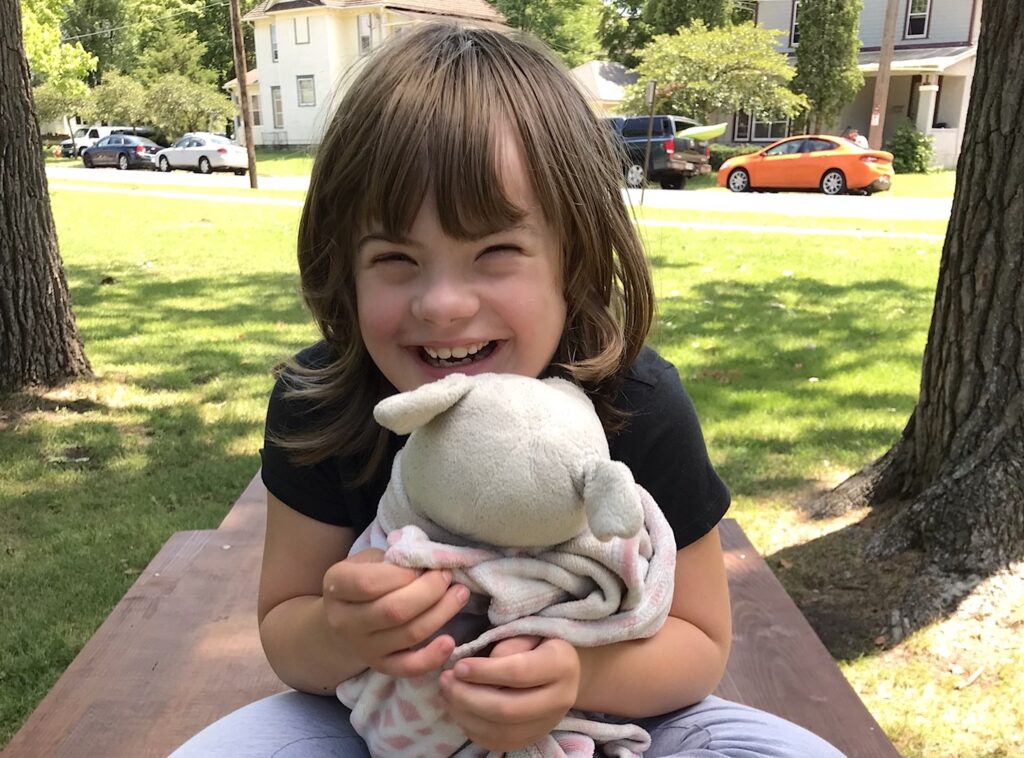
column 243, row 88
column 881, row 99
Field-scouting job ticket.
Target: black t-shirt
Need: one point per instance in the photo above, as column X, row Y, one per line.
column 661, row 443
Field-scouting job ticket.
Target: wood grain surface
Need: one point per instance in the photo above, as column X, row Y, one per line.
column 182, row 649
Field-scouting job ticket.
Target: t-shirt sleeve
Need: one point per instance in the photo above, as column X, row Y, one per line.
column 314, row 490
column 664, row 447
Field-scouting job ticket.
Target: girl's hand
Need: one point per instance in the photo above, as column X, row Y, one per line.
column 383, row 612
column 516, row 696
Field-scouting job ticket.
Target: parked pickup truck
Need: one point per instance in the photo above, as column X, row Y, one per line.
column 673, row 158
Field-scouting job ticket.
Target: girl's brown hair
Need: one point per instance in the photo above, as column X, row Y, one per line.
column 423, row 115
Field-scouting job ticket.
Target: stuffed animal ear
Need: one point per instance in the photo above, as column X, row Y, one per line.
column 406, row 411
column 612, row 501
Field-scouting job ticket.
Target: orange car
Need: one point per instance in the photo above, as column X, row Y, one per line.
column 811, row 161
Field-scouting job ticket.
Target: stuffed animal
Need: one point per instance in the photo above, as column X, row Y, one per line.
column 507, row 481
column 511, row 461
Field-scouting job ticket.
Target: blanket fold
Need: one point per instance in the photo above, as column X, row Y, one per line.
column 584, row 591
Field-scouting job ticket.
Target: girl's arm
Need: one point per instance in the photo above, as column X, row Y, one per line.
column 323, row 620
column 683, row 662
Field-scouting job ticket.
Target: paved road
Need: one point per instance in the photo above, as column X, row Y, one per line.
column 224, row 180
column 794, row 204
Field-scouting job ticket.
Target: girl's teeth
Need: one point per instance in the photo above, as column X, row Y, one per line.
column 444, row 353
column 459, row 353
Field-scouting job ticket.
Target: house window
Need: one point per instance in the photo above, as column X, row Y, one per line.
column 273, row 43
column 256, row 116
column 278, row 105
column 307, row 93
column 741, row 131
column 794, row 26
column 917, row 18
column 365, row 25
column 301, row 30
column 749, row 129
column 768, row 131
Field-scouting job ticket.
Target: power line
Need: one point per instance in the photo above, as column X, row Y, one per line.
column 134, row 23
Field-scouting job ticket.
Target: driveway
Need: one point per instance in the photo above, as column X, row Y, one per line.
column 795, row 204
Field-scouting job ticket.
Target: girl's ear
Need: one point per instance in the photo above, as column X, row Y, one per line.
column 406, row 411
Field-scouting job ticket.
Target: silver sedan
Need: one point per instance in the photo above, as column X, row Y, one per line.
column 205, row 153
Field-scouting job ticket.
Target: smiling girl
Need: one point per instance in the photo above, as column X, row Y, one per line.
column 465, row 215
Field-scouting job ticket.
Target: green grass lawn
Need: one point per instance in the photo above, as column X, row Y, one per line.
column 802, row 355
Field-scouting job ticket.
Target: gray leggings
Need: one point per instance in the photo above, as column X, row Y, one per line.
column 296, row 725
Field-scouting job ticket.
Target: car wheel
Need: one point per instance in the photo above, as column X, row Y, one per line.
column 635, row 176
column 204, row 165
column 739, row 180
column 673, row 182
column 240, row 172
column 833, row 182
column 122, row 162
column 165, row 165
column 87, row 161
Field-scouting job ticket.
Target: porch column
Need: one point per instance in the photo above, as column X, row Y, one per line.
column 926, row 94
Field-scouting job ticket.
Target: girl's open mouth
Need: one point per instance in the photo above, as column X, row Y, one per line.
column 443, row 357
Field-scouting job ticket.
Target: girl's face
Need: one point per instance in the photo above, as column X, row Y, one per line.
column 430, row 305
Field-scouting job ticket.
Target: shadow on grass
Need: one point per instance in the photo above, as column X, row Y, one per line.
column 791, row 361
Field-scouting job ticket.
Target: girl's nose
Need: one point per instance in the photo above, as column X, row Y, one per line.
column 444, row 301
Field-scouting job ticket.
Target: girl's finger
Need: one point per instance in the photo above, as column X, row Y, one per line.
column 362, row 578
column 414, row 618
column 521, row 670
column 514, row 645
column 500, row 705
column 408, row 603
column 410, row 663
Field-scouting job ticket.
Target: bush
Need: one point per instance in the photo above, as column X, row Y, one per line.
column 721, row 153
column 911, row 151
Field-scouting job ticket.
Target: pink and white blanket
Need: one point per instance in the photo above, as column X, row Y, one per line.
column 584, row 591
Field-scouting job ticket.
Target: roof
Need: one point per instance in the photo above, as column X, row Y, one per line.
column 252, row 76
column 604, row 80
column 477, row 10
column 936, row 59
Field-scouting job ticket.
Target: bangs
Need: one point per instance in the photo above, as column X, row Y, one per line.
column 445, row 129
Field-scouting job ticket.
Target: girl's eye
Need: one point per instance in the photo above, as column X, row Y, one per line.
column 498, row 250
column 391, row 258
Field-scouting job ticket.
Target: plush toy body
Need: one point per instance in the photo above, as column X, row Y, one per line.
column 507, row 481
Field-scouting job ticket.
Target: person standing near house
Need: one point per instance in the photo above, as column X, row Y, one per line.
column 491, row 237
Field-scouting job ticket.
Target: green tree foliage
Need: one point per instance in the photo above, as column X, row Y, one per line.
column 177, row 104
column 665, row 16
column 569, row 27
column 622, row 31
column 826, row 58
column 119, row 100
column 58, row 69
column 175, row 51
column 912, row 151
column 95, row 25
column 700, row 71
column 212, row 25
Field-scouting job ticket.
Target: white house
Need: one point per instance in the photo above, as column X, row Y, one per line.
column 306, row 51
column 931, row 75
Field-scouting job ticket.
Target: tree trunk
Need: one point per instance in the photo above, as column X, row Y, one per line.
column 954, row 481
column 39, row 342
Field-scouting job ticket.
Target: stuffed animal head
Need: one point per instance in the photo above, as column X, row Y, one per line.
column 510, row 461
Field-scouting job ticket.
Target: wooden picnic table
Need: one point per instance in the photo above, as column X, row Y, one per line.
column 181, row 649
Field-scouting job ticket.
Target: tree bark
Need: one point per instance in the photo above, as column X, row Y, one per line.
column 954, row 481
column 39, row 341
